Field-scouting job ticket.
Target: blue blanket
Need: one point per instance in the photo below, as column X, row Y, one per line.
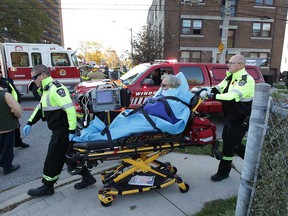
column 173, row 122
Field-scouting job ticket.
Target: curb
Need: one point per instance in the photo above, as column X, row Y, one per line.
column 19, row 199
column 15, row 201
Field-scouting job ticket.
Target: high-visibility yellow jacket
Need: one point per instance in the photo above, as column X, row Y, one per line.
column 119, row 84
column 8, row 84
column 55, row 107
column 236, row 92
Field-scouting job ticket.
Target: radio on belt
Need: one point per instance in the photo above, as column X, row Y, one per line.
column 105, row 98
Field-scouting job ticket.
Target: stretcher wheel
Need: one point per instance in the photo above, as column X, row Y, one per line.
column 105, row 204
column 173, row 170
column 169, row 168
column 185, row 190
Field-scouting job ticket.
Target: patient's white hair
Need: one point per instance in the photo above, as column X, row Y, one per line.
column 172, row 80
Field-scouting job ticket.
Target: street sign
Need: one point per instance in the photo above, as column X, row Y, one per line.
column 221, row 47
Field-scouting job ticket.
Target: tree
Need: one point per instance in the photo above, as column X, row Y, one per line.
column 91, row 51
column 148, row 45
column 22, row 20
column 112, row 58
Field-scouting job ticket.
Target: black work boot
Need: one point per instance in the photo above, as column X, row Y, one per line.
column 87, row 179
column 44, row 190
column 223, row 171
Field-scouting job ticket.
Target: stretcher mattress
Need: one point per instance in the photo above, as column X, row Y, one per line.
column 124, row 124
column 136, row 140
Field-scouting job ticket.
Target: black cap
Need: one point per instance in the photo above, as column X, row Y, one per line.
column 114, row 75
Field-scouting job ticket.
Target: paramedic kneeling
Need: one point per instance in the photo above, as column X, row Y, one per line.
column 57, row 109
column 236, row 93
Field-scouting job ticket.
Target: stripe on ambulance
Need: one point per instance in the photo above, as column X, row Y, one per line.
column 137, row 100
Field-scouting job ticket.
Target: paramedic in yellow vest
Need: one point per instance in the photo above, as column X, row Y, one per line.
column 95, row 73
column 84, row 72
column 236, row 93
column 9, row 87
column 57, row 109
column 114, row 77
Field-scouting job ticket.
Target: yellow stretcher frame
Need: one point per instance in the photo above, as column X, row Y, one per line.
column 143, row 163
column 134, row 160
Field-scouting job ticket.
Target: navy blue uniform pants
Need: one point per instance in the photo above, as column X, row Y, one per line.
column 6, row 149
column 55, row 158
column 232, row 136
column 18, row 139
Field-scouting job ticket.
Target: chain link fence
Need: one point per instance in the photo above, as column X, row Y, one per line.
column 270, row 189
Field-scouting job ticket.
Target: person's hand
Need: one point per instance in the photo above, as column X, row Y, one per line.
column 26, row 130
column 203, row 94
column 71, row 136
column 207, row 95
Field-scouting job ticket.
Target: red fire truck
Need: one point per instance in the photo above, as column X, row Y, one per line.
column 17, row 60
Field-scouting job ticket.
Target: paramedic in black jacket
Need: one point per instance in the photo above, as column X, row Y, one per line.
column 9, row 87
column 236, row 93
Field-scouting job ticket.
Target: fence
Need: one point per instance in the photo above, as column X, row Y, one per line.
column 266, row 192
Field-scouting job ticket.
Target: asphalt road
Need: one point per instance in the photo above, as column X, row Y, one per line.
column 32, row 159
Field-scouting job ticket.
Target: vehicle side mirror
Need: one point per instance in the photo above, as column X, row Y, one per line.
column 148, row 82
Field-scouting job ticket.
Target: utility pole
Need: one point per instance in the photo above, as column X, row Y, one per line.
column 225, row 12
column 131, row 41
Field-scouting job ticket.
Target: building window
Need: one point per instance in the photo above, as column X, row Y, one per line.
column 190, row 2
column 160, row 32
column 230, row 41
column 191, row 27
column 196, row 56
column 191, row 56
column 261, row 29
column 156, row 12
column 185, row 56
column 259, row 59
column 264, row 2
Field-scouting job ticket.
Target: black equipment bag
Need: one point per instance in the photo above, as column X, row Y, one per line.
column 125, row 95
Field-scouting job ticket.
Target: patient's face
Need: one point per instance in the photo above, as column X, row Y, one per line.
column 165, row 84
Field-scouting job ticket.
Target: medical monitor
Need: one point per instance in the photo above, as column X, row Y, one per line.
column 104, row 97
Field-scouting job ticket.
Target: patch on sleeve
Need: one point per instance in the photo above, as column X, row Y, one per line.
column 61, row 92
column 242, row 82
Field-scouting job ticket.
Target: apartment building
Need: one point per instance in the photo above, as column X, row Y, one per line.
column 53, row 33
column 203, row 30
column 284, row 63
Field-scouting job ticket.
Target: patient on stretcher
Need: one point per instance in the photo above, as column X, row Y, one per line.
column 167, row 111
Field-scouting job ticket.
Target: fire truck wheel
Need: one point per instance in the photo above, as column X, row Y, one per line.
column 35, row 93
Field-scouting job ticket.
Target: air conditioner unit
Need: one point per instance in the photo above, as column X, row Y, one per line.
column 190, row 2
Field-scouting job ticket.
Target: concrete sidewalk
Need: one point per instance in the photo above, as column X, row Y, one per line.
column 194, row 170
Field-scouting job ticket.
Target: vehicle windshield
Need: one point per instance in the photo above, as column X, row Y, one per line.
column 132, row 75
column 75, row 60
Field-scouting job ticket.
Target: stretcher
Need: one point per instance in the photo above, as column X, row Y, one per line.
column 139, row 169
